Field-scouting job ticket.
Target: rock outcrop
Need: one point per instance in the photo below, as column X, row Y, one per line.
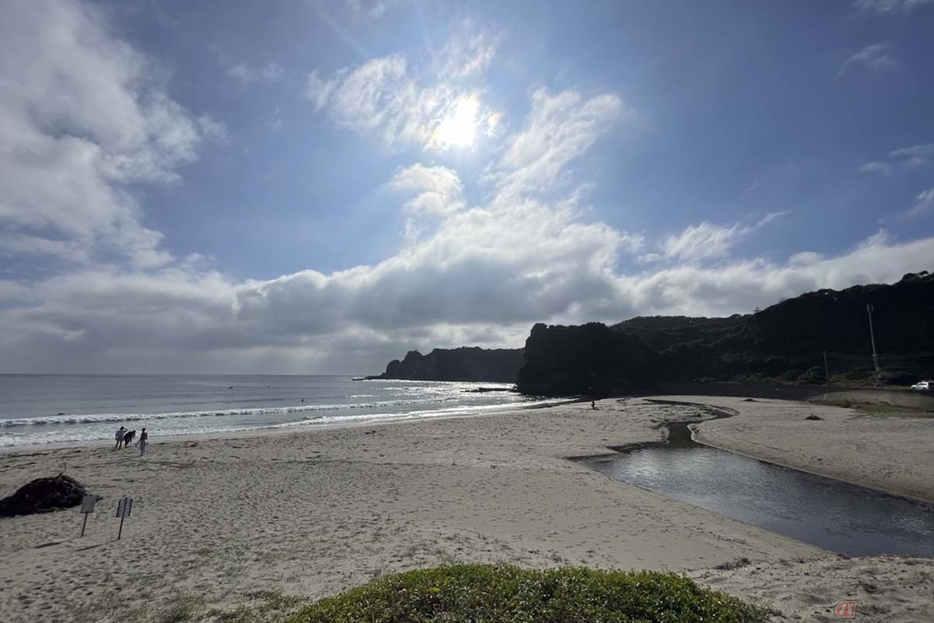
column 589, row 359
column 458, row 364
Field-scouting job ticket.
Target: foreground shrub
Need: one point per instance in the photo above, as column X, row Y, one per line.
column 506, row 594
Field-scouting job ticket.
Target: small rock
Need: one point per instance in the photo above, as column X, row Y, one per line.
column 813, row 417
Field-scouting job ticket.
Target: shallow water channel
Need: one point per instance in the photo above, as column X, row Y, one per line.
column 828, row 513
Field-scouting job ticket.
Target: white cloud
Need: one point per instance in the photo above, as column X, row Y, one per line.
column 887, row 6
column 706, row 241
column 374, row 9
column 916, row 156
column 881, row 168
column 875, row 57
column 437, row 189
column 744, row 284
column 924, row 204
column 485, row 277
column 702, row 242
column 559, row 129
column 318, row 90
column 270, row 72
column 386, row 99
column 212, row 129
column 468, row 54
column 87, row 117
column 378, row 98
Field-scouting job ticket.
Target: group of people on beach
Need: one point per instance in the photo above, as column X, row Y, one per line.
column 123, row 437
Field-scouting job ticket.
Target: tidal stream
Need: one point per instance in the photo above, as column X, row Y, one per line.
column 834, row 515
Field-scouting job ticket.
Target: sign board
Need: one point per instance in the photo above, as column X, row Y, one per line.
column 124, row 507
column 845, row 609
column 87, row 507
column 87, row 504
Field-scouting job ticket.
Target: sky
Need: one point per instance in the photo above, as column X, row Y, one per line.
column 319, row 186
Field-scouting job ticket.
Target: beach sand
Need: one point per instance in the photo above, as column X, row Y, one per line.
column 315, row 512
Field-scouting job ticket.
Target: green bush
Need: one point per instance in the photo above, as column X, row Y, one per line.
column 506, row 594
column 814, row 376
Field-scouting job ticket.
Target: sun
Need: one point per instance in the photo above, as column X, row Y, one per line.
column 459, row 127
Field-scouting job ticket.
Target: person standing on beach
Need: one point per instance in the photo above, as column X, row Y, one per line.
column 128, row 437
column 143, row 440
column 119, row 437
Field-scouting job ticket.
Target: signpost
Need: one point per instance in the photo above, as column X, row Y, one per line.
column 124, row 508
column 87, row 507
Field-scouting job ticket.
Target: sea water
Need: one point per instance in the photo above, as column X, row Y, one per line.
column 44, row 409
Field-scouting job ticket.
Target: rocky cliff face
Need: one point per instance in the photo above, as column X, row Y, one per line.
column 588, row 359
column 458, row 364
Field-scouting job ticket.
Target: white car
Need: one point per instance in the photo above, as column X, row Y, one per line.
column 923, row 385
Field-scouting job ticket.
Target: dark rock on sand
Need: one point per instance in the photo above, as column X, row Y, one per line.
column 813, row 417
column 43, row 495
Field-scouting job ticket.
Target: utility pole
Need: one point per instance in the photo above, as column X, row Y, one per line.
column 826, row 369
column 872, row 337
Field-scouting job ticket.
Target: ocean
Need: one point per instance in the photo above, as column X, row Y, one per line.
column 62, row 409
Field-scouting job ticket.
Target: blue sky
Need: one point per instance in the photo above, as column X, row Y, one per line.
column 314, row 187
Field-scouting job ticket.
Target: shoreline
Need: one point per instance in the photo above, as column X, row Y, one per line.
column 318, row 512
column 299, row 427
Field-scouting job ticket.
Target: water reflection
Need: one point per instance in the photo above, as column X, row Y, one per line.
column 836, row 516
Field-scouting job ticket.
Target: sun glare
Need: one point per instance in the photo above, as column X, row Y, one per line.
column 459, row 127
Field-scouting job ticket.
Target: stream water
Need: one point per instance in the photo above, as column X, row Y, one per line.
column 837, row 516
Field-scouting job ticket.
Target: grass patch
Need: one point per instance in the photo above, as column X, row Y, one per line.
column 877, row 409
column 264, row 606
column 887, row 410
column 507, row 594
column 734, row 564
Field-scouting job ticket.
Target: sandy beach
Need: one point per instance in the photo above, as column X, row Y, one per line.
column 315, row 512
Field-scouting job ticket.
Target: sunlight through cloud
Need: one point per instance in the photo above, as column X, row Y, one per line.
column 459, row 127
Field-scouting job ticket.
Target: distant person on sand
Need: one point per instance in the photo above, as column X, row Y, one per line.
column 119, row 437
column 128, row 437
column 593, row 405
column 143, row 440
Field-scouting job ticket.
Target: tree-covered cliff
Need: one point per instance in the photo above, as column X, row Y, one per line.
column 783, row 343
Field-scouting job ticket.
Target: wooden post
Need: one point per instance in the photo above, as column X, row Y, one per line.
column 124, row 508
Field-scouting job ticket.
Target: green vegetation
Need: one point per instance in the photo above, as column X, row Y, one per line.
column 876, row 409
column 784, row 343
column 507, row 594
column 264, row 607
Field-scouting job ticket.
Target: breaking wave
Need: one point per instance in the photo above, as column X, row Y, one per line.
column 97, row 418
